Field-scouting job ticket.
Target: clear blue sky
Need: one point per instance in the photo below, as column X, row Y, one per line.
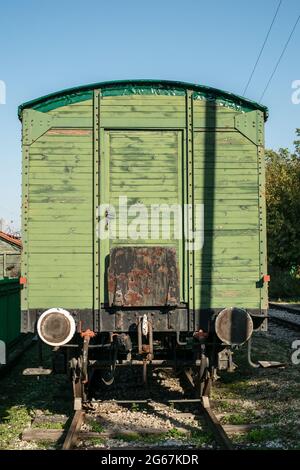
column 48, row 46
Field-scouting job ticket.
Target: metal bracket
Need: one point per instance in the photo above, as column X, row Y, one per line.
column 264, row 364
column 225, row 361
column 35, row 125
column 251, row 125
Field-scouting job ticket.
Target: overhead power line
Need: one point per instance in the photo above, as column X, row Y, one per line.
column 262, row 47
column 280, row 57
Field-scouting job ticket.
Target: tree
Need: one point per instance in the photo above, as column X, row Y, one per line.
column 297, row 143
column 283, row 206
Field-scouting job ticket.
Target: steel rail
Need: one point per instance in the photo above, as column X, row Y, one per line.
column 285, row 322
column 285, row 307
column 150, row 401
column 215, row 425
column 74, row 430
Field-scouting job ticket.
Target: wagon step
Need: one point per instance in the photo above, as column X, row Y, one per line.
column 266, row 364
column 37, row 371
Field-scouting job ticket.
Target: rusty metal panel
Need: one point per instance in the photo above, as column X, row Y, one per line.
column 143, row 276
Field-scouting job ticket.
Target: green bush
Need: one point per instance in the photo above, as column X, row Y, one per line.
column 284, row 284
column 283, row 217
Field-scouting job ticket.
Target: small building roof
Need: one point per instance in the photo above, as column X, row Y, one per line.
column 11, row 239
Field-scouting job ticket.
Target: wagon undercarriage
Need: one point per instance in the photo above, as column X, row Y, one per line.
column 197, row 356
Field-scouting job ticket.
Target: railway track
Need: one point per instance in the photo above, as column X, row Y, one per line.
column 285, row 318
column 293, row 308
column 75, row 434
column 78, row 436
column 74, row 430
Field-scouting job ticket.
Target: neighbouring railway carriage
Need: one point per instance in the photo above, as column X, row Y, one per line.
column 143, row 227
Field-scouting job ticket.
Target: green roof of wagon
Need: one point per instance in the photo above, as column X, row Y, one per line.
column 128, row 87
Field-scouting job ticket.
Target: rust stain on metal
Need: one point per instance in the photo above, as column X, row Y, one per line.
column 69, row 132
column 146, row 348
column 233, row 325
column 143, row 276
column 87, row 333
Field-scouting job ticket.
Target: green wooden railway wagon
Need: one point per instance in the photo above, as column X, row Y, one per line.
column 10, row 315
column 102, row 166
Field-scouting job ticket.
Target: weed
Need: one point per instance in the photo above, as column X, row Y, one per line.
column 96, row 441
column 200, row 438
column 239, row 418
column 14, row 421
column 261, row 435
column 95, row 426
column 49, row 425
column 135, row 407
column 128, row 437
column 176, row 433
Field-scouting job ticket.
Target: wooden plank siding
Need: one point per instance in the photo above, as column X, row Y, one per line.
column 143, row 111
column 60, row 214
column 202, row 117
column 94, row 151
column 227, row 268
column 144, row 185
